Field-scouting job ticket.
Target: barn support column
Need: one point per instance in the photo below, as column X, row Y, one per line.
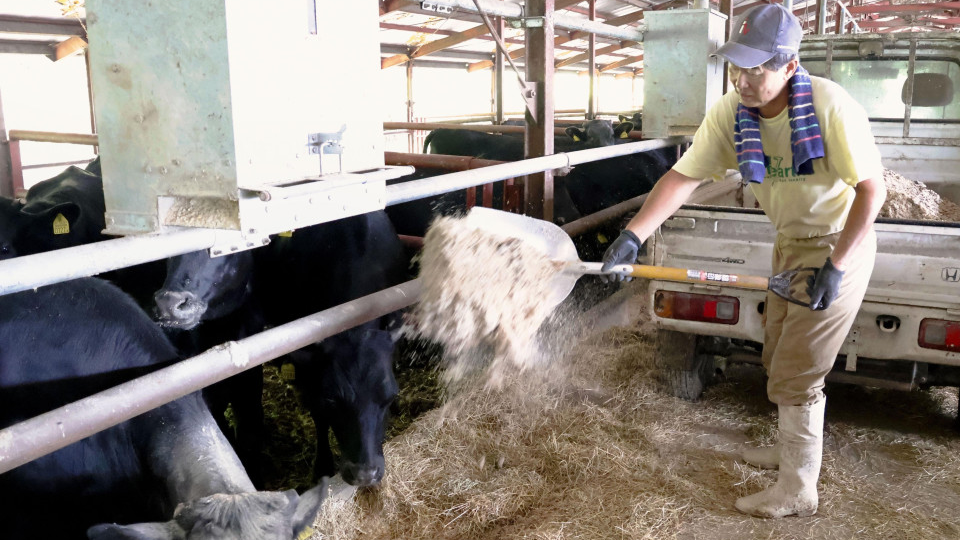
column 538, row 141
column 498, row 74
column 411, row 136
column 821, row 16
column 592, row 62
column 6, row 169
column 726, row 7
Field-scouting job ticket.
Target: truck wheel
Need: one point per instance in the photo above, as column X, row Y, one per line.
column 682, row 371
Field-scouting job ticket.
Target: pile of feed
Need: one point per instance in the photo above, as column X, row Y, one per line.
column 482, row 298
column 910, row 199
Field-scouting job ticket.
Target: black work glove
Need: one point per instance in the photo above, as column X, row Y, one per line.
column 623, row 250
column 824, row 289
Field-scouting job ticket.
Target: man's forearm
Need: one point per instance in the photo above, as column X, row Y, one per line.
column 668, row 194
column 870, row 196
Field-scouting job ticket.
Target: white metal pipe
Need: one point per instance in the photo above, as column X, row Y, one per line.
column 418, row 189
column 38, row 436
column 787, row 4
column 515, row 11
column 32, row 271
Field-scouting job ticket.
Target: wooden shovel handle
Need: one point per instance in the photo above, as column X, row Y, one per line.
column 689, row 275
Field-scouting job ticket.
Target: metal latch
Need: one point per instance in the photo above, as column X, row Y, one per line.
column 436, row 6
column 327, row 143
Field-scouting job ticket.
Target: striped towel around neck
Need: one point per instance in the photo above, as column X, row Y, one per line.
column 805, row 139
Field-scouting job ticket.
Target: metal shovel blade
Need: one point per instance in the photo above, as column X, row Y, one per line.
column 539, row 234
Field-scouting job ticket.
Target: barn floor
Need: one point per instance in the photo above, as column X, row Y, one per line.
column 590, row 447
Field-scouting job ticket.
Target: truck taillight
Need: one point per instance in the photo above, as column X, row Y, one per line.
column 939, row 334
column 697, row 307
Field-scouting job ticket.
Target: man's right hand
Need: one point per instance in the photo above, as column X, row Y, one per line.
column 623, row 250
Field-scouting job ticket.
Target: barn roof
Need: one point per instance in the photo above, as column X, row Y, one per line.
column 407, row 29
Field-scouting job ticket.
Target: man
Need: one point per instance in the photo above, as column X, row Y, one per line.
column 805, row 147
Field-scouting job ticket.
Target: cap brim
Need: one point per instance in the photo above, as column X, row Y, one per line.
column 743, row 56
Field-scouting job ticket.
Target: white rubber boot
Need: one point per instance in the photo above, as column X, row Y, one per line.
column 801, row 450
column 765, row 457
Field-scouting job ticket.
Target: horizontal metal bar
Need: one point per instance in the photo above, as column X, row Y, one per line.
column 17, row 46
column 438, row 161
column 38, row 436
column 52, row 136
column 418, row 189
column 54, row 26
column 921, row 141
column 32, row 271
column 515, row 11
column 485, row 128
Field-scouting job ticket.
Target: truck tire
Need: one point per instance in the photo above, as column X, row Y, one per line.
column 682, row 372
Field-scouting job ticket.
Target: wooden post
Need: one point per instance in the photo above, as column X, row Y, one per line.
column 538, row 141
column 726, row 7
column 592, row 60
column 498, row 63
column 410, row 134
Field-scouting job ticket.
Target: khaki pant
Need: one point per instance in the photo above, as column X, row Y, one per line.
column 800, row 346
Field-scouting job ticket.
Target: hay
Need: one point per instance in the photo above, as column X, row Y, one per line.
column 600, row 452
column 482, row 298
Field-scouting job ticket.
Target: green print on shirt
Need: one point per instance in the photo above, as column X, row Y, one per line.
column 781, row 174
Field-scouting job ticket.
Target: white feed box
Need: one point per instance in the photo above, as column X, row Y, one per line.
column 236, row 114
column 681, row 80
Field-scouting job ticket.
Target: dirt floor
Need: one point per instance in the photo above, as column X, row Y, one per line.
column 591, row 447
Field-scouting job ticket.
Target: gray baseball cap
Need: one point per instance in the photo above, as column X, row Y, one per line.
column 761, row 33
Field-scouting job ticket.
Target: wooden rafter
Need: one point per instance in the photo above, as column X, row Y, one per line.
column 621, row 63
column 600, row 52
column 517, row 53
column 452, row 40
column 903, row 8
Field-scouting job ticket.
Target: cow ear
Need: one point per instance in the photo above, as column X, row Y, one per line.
column 623, row 129
column 59, row 218
column 576, row 133
column 140, row 531
column 308, row 508
column 623, row 117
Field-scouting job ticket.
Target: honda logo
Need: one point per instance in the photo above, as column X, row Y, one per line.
column 950, row 274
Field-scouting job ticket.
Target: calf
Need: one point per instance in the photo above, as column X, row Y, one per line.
column 347, row 380
column 169, row 470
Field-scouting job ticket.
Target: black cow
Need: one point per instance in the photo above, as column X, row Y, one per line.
column 169, row 470
column 347, row 380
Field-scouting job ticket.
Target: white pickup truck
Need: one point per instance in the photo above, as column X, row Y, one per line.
column 907, row 333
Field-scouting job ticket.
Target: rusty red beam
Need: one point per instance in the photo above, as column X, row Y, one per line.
column 892, row 23
column 903, row 8
column 438, row 161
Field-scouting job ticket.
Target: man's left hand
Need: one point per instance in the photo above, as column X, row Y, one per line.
column 824, row 289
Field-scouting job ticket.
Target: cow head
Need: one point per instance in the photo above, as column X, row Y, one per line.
column 247, row 516
column 596, row 133
column 199, row 287
column 357, row 387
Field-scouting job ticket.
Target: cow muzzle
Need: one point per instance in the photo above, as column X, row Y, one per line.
column 179, row 309
column 362, row 475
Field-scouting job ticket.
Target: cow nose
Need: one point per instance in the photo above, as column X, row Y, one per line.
column 175, row 304
column 365, row 476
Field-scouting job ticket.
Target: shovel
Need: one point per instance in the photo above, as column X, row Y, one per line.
column 558, row 246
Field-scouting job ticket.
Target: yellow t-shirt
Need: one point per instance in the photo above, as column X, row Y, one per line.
column 798, row 206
